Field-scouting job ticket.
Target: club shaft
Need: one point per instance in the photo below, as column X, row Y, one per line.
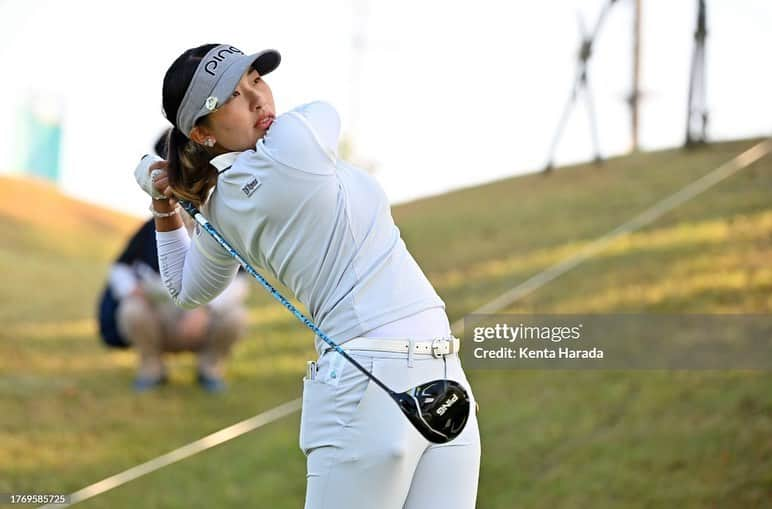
column 201, row 220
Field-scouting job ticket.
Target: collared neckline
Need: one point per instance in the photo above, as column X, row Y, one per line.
column 224, row 161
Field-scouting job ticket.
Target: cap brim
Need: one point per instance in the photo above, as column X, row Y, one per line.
column 266, row 61
column 263, row 62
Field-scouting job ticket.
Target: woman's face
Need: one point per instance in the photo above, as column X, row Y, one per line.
column 245, row 117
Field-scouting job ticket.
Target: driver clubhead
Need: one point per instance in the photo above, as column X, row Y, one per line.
column 438, row 409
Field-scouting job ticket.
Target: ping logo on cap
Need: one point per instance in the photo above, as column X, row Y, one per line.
column 211, row 65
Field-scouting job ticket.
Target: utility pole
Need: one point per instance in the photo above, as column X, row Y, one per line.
column 581, row 87
column 635, row 95
column 697, row 113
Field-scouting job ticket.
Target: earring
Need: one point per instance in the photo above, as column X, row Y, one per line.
column 209, row 142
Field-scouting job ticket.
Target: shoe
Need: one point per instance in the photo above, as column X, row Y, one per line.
column 142, row 384
column 211, row 383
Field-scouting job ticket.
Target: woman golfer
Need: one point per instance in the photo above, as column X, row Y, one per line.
column 275, row 188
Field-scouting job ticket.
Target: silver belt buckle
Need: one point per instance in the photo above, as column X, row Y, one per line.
column 436, row 347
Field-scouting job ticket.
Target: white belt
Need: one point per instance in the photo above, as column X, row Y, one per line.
column 434, row 347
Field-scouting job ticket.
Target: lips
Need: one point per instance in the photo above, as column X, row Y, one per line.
column 265, row 122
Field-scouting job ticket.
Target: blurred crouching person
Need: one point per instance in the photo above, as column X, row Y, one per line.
column 136, row 311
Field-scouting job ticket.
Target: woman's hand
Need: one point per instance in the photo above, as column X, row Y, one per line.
column 152, row 178
column 152, row 170
column 160, row 180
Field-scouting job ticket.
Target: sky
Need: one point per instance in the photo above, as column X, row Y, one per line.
column 444, row 94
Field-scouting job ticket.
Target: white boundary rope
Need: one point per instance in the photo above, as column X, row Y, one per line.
column 646, row 217
column 532, row 284
column 181, row 453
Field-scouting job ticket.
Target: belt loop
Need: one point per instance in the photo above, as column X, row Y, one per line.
column 410, row 352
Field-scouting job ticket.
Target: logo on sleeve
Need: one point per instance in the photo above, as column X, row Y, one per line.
column 249, row 187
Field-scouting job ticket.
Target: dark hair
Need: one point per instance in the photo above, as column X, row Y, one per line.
column 160, row 144
column 191, row 177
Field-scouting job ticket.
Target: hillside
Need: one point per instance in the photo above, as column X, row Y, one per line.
column 563, row 439
column 55, row 251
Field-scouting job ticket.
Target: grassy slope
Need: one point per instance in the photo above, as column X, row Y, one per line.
column 550, row 438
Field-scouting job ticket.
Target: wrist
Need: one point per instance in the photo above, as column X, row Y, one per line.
column 161, row 204
column 164, row 208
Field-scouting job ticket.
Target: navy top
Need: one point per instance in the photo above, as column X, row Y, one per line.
column 142, row 247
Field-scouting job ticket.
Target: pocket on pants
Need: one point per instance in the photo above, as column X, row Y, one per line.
column 317, row 423
column 328, row 408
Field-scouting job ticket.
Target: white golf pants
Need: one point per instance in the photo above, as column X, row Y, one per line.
column 363, row 453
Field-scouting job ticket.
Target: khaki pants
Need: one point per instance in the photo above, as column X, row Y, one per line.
column 362, row 451
column 154, row 328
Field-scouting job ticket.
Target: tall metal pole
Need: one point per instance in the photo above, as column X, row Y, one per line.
column 697, row 113
column 636, row 91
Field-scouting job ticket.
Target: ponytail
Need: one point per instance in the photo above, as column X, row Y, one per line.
column 191, row 177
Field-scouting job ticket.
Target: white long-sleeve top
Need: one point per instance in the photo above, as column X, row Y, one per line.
column 314, row 222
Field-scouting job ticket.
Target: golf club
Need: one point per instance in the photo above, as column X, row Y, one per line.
column 438, row 409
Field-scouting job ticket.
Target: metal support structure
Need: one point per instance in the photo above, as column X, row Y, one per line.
column 697, row 113
column 581, row 86
column 635, row 94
